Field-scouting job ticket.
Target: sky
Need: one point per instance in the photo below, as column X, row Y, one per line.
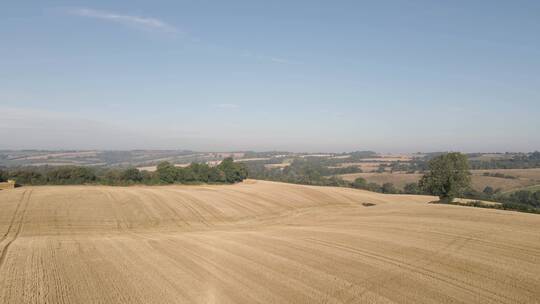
column 312, row 76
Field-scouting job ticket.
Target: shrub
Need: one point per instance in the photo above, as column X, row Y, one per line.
column 166, row 173
column 359, row 183
column 131, row 175
column 488, row 191
column 389, row 188
column 411, row 188
column 234, row 172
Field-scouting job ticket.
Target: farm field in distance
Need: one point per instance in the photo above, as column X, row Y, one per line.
column 524, row 178
column 270, row 152
column 374, row 167
column 259, row 241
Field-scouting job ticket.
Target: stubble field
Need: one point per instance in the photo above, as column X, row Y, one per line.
column 522, row 178
column 259, row 242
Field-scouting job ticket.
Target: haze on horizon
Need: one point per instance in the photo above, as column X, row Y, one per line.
column 395, row 76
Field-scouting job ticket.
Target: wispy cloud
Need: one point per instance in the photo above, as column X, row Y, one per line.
column 147, row 23
column 129, row 20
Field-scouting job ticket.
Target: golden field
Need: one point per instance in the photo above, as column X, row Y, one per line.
column 259, row 242
column 524, row 178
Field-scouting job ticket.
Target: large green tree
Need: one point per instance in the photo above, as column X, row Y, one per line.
column 131, row 175
column 166, row 172
column 448, row 176
column 234, row 172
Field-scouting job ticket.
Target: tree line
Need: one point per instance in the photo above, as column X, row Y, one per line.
column 227, row 171
column 300, row 171
column 447, row 175
column 314, row 172
column 520, row 161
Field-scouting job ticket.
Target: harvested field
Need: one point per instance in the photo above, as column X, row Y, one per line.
column 259, row 242
column 479, row 182
column 389, row 158
column 273, row 166
column 365, row 166
column 398, row 179
column 532, row 188
column 251, row 159
column 77, row 154
column 228, row 154
column 490, row 157
column 525, row 178
column 154, row 168
column 531, row 174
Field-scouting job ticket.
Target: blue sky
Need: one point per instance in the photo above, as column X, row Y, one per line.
column 390, row 76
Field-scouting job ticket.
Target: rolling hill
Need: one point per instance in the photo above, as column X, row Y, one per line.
column 259, row 242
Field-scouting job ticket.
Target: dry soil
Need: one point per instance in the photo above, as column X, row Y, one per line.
column 259, row 242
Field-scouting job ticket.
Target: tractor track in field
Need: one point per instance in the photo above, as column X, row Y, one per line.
column 259, row 242
column 415, row 267
column 25, row 200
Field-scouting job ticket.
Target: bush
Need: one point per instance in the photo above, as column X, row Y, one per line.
column 166, row 173
column 131, row 175
column 234, row 172
column 488, row 191
column 373, row 187
column 525, row 197
column 412, row 188
column 519, row 207
column 359, row 183
column 27, row 176
column 389, row 188
column 71, row 175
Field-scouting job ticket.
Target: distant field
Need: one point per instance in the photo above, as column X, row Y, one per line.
column 490, row 157
column 153, row 168
column 259, row 242
column 252, row 159
column 136, row 158
column 398, row 179
column 216, row 162
column 532, row 188
column 526, row 178
column 390, row 158
column 79, row 154
column 531, row 174
column 273, row 166
column 366, row 166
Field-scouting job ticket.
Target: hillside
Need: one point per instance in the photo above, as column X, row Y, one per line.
column 259, row 242
column 516, row 178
